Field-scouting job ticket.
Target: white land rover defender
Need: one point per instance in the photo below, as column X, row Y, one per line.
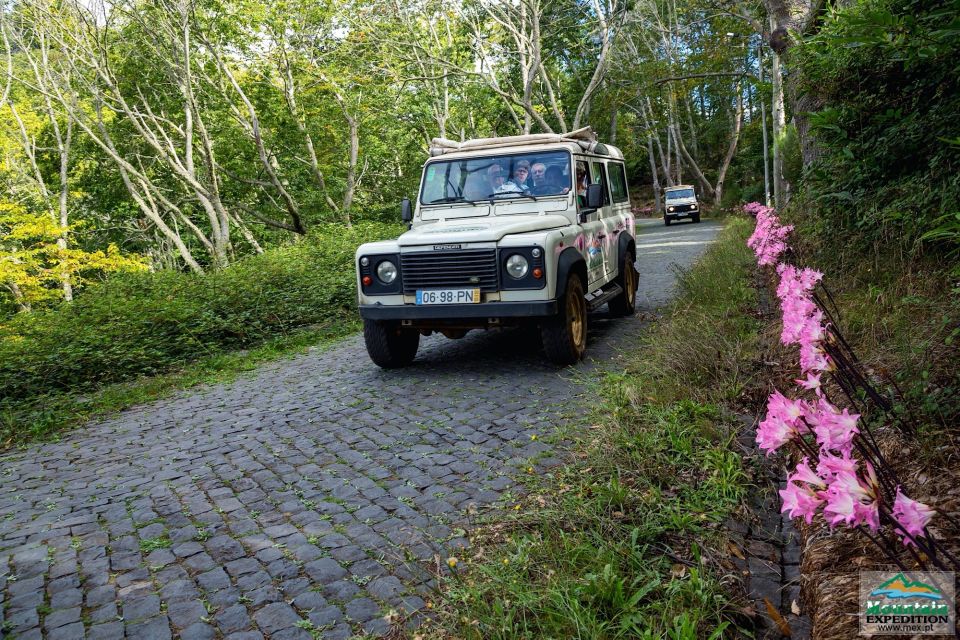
column 680, row 202
column 532, row 229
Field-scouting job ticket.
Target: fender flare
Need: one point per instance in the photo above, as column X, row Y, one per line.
column 624, row 244
column 570, row 261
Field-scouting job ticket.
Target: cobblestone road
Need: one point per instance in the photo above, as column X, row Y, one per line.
column 313, row 493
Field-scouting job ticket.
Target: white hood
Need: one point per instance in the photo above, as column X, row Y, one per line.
column 479, row 230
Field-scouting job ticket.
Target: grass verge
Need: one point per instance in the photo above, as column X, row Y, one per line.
column 622, row 541
column 47, row 416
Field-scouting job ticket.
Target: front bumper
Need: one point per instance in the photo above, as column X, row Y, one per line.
column 538, row 309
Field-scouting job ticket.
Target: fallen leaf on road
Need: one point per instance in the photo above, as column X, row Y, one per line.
column 782, row 624
column 735, row 550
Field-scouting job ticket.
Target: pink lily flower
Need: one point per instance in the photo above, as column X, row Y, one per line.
column 773, row 433
column 799, row 501
column 803, row 473
column 831, row 466
column 912, row 515
column 835, row 431
column 811, row 382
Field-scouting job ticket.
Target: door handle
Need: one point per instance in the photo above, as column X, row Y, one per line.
column 616, row 231
column 601, row 235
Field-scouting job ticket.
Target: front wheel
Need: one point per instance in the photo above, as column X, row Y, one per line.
column 390, row 346
column 565, row 335
column 666, row 221
column 623, row 304
column 696, row 217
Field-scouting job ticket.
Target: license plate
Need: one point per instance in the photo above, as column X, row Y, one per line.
column 448, row 296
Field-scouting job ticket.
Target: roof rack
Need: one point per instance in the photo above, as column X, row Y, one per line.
column 585, row 137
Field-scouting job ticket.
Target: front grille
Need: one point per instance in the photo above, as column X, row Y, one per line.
column 467, row 268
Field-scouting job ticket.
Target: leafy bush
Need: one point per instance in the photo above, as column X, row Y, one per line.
column 889, row 167
column 146, row 323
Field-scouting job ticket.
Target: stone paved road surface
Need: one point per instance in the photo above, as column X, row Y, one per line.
column 313, row 493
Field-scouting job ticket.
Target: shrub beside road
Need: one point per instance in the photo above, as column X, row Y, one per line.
column 57, row 365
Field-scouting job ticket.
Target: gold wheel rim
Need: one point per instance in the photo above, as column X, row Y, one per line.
column 576, row 313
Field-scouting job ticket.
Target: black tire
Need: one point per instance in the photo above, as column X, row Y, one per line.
column 666, row 221
column 623, row 304
column 696, row 218
column 390, row 346
column 565, row 335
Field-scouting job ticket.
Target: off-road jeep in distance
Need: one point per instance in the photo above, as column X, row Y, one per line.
column 532, row 229
column 680, row 202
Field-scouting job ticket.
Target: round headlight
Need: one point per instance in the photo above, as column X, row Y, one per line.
column 387, row 272
column 693, row 206
column 670, row 208
column 364, row 261
column 517, row 266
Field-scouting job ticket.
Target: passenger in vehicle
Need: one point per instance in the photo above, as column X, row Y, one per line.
column 515, row 185
column 538, row 175
column 581, row 184
column 496, row 177
column 520, row 174
column 555, row 181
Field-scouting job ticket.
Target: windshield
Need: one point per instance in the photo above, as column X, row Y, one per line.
column 679, row 193
column 495, row 177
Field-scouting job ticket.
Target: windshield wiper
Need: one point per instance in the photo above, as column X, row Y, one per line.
column 450, row 199
column 493, row 196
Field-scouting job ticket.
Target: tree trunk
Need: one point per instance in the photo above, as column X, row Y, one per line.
column 654, row 177
column 351, row 168
column 701, row 179
column 64, row 213
column 780, row 187
column 23, row 305
column 731, row 150
column 766, row 144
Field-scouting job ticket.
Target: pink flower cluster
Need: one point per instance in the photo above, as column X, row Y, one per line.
column 803, row 322
column 769, row 239
column 846, row 490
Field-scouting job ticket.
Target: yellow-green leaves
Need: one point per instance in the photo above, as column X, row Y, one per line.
column 36, row 256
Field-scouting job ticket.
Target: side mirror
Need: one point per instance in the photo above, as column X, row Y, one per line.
column 406, row 211
column 594, row 196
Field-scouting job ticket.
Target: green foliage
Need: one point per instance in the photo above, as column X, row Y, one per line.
column 613, row 549
column 34, row 265
column 885, row 71
column 880, row 207
column 144, row 324
column 789, row 145
column 704, row 353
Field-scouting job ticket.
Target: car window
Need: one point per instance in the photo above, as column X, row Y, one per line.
column 679, row 193
column 583, row 179
column 618, row 182
column 598, row 175
column 496, row 177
